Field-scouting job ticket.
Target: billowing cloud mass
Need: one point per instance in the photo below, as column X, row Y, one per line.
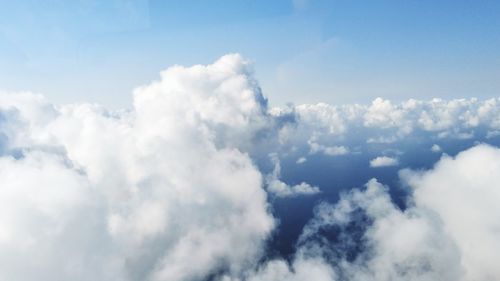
column 144, row 194
column 178, row 186
column 450, row 230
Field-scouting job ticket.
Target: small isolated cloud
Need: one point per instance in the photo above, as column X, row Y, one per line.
column 281, row 189
column 383, row 161
column 335, row 150
column 436, row 148
column 301, row 160
column 327, row 150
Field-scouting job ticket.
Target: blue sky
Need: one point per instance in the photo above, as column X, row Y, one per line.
column 338, row 51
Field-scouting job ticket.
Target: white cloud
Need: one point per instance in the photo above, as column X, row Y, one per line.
column 281, row 189
column 449, row 231
column 387, row 122
column 383, row 161
column 467, row 204
column 301, row 160
column 436, row 148
column 386, row 140
column 135, row 195
column 328, row 150
column 334, row 150
column 146, row 193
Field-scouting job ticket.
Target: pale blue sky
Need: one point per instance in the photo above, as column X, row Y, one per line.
column 337, row 51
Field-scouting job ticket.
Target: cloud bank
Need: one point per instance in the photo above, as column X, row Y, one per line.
column 178, row 186
column 385, row 122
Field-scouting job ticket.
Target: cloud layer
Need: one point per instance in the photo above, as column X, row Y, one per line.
column 450, row 231
column 178, row 187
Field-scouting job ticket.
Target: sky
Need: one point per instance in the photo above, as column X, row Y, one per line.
column 304, row 51
column 249, row 140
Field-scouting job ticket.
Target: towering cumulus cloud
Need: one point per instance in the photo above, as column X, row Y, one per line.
column 155, row 193
column 181, row 186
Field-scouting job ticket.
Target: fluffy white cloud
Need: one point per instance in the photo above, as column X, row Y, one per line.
column 386, row 122
column 281, row 189
column 464, row 193
column 436, row 148
column 383, row 161
column 449, row 231
column 169, row 189
column 144, row 194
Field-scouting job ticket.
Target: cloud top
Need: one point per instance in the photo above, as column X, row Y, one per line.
column 91, row 194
